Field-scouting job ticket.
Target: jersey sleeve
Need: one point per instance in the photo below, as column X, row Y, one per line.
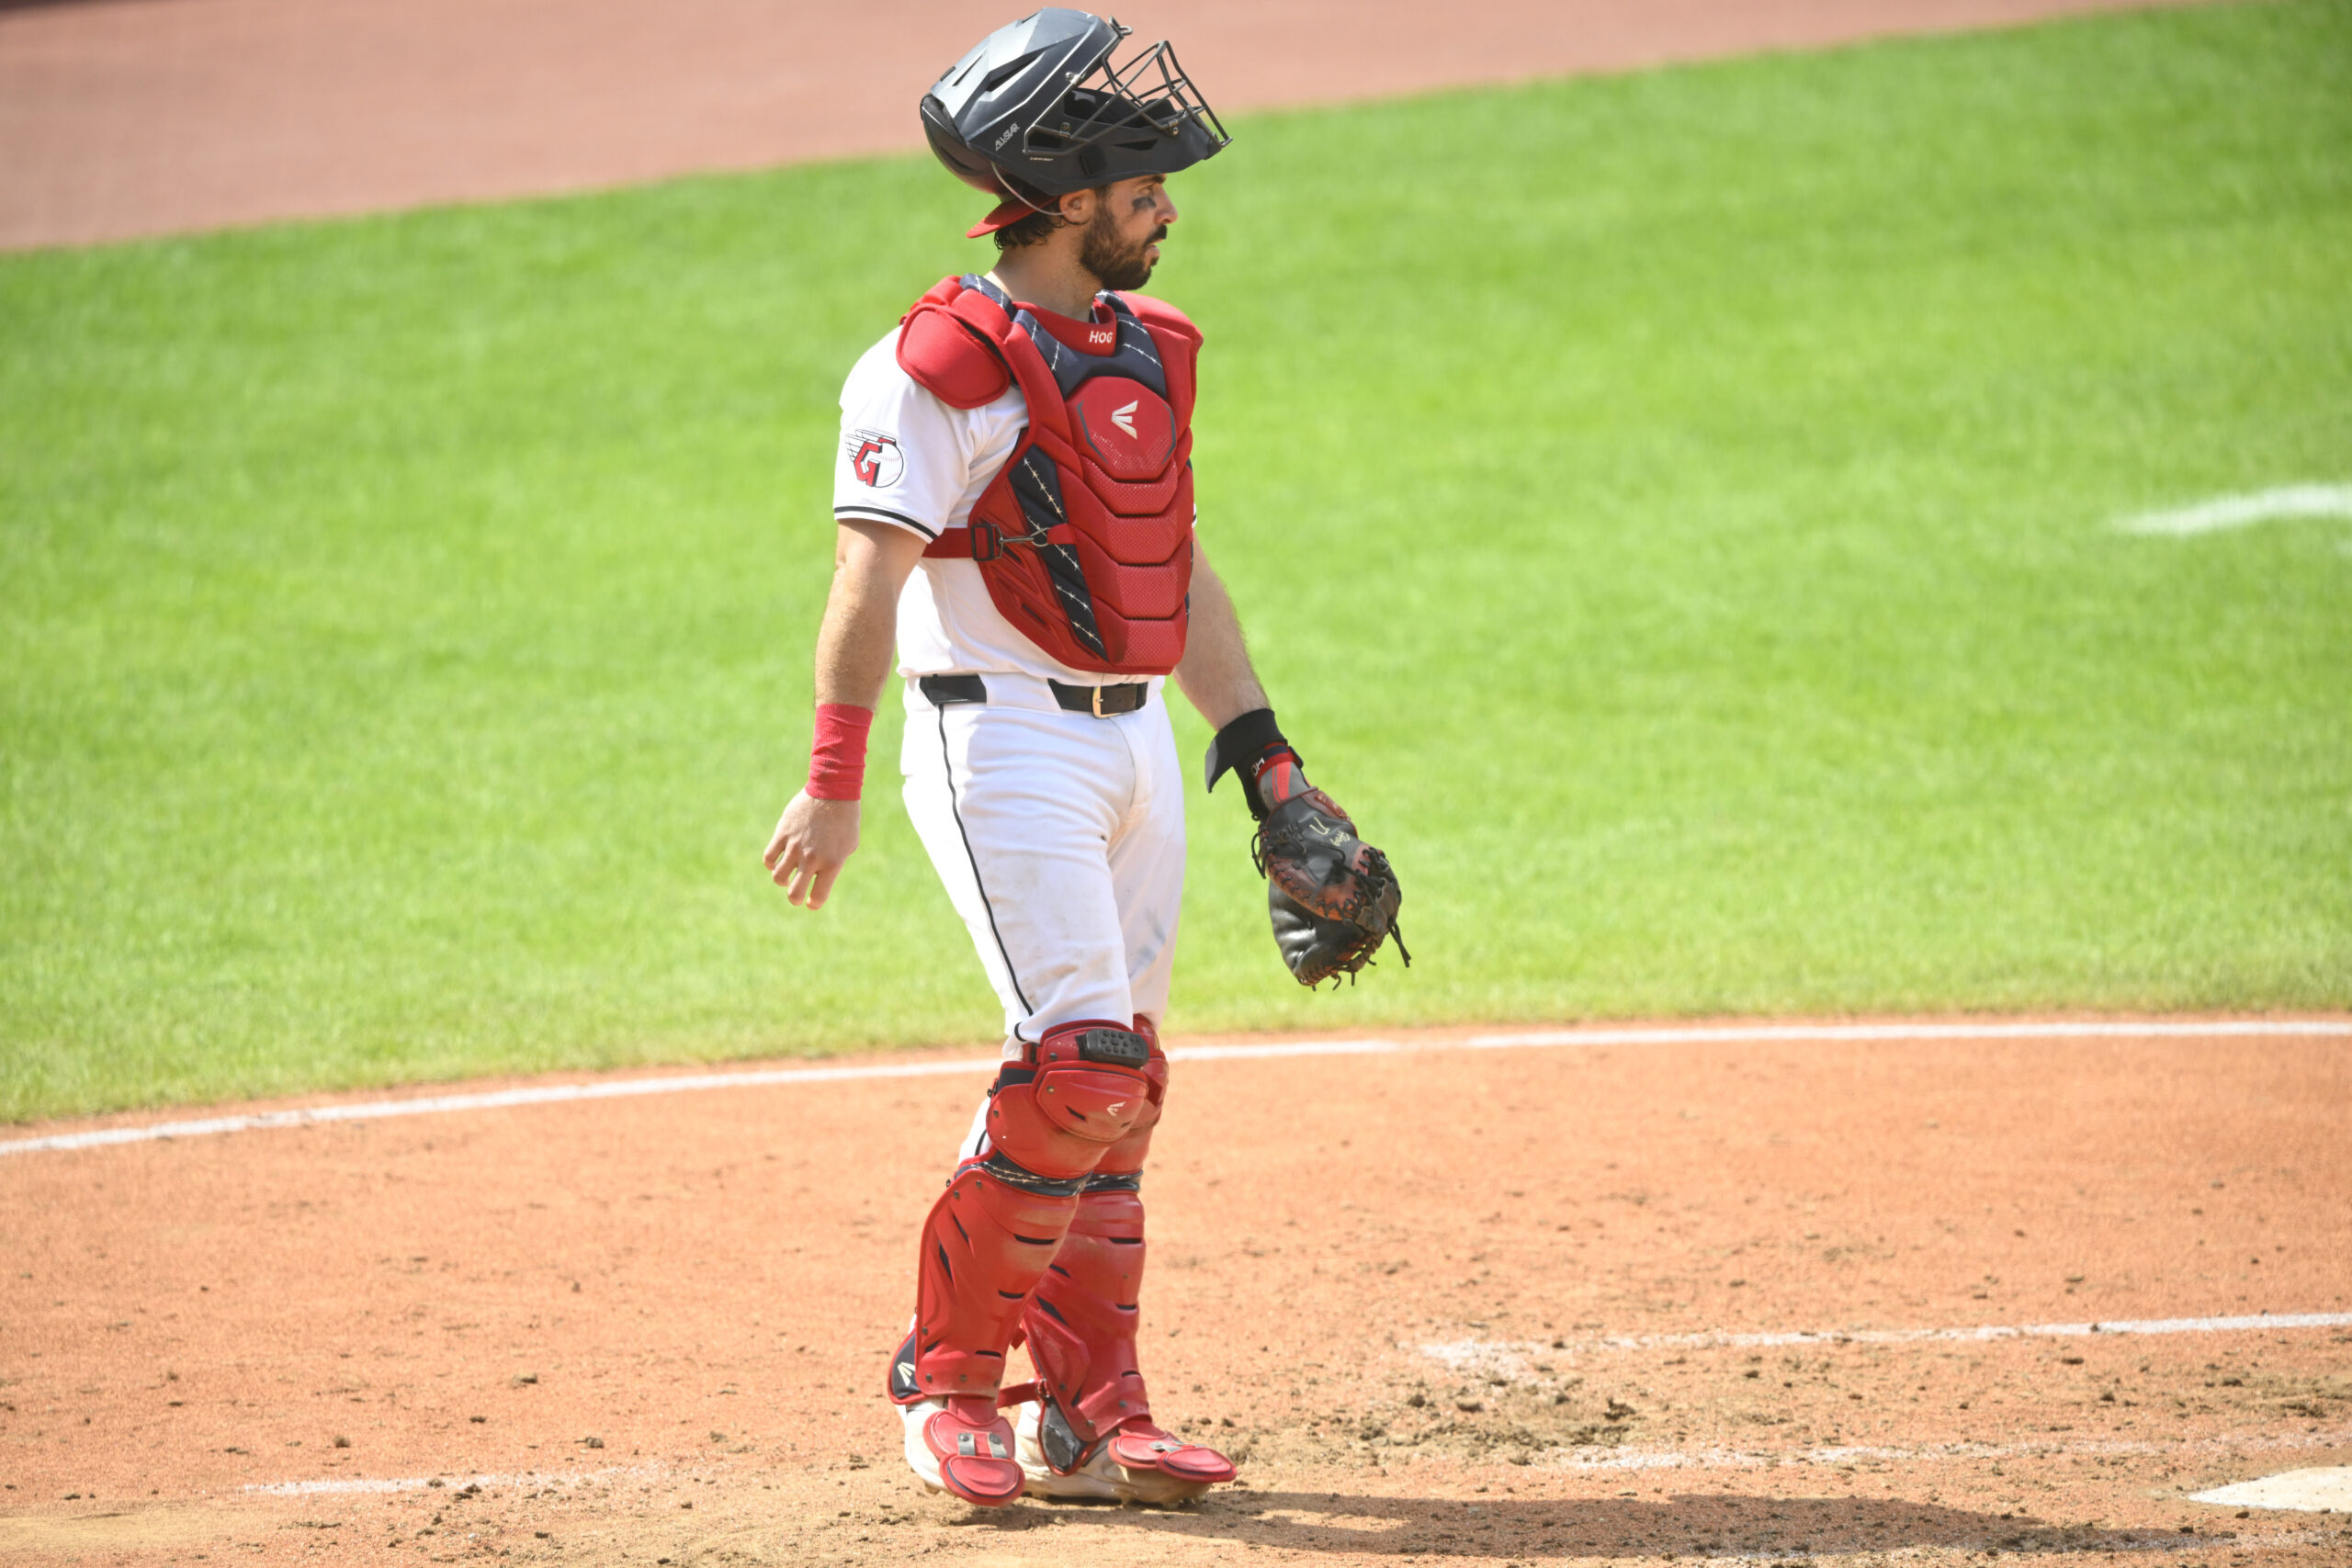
column 905, row 455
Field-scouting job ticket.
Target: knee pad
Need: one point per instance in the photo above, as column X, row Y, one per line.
column 1122, row 1161
column 1076, row 1093
column 1081, row 1323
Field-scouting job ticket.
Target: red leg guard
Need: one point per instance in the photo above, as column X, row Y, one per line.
column 1051, row 1119
column 984, row 1246
column 1081, row 1323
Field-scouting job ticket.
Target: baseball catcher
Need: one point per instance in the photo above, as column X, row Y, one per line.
column 1014, row 502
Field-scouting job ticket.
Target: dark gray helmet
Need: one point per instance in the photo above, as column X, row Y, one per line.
column 1039, row 110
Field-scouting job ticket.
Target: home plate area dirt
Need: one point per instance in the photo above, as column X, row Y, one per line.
column 1504, row 1306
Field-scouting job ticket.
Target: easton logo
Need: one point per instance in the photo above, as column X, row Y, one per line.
column 874, row 458
column 1125, row 428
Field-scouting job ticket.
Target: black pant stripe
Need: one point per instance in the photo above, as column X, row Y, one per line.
column 947, row 760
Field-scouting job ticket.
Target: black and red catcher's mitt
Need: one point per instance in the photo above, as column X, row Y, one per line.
column 1333, row 898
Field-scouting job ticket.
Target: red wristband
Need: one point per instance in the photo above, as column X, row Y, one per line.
column 1275, row 776
column 837, row 756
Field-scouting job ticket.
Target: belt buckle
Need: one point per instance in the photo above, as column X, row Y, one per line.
column 1098, row 704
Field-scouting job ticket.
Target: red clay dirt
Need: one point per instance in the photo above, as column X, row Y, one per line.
column 127, row 118
column 654, row 1329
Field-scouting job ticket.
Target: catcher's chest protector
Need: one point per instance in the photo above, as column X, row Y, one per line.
column 1085, row 538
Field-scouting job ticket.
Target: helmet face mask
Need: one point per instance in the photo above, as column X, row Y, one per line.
column 1123, row 120
column 1040, row 109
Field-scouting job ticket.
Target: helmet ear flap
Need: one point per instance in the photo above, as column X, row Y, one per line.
column 948, row 146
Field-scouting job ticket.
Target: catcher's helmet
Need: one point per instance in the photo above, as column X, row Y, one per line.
column 1038, row 110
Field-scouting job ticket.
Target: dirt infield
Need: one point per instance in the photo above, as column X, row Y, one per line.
column 1457, row 1304
column 124, row 118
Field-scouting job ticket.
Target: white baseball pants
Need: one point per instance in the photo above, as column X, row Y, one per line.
column 1060, row 838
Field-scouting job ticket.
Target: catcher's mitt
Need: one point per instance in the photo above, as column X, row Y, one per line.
column 1333, row 898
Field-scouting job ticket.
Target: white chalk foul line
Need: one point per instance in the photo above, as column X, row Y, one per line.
column 439, row 1104
column 624, row 1089
column 345, row 1485
column 1572, row 1459
column 1735, row 1459
column 1698, row 1034
column 1513, row 1357
column 2242, row 511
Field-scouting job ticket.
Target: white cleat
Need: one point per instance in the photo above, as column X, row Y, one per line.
column 920, row 1459
column 963, row 1452
column 1101, row 1479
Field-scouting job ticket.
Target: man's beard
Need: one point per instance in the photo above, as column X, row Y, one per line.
column 1118, row 265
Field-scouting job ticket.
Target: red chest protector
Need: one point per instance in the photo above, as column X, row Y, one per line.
column 1085, row 538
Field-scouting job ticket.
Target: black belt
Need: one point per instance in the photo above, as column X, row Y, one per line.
column 1103, row 701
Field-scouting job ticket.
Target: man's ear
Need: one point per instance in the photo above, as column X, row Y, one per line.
column 1077, row 206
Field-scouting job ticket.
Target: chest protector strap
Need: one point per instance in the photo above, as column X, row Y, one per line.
column 1085, row 538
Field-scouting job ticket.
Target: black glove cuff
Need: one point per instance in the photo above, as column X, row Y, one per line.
column 1240, row 743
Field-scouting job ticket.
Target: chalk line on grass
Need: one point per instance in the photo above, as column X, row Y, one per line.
column 1515, row 1358
column 2241, row 511
column 757, row 1078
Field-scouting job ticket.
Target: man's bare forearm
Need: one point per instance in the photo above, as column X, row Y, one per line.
column 1215, row 674
column 855, row 644
column 818, row 835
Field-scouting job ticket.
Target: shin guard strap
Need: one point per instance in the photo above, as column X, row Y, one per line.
column 1013, row 1175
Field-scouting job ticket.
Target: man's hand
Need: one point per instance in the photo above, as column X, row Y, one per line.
column 811, row 843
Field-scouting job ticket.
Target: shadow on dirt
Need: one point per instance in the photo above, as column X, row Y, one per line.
column 1539, row 1527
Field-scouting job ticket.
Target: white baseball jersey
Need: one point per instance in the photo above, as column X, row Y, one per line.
column 1059, row 836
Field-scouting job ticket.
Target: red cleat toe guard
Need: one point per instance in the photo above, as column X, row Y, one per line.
column 974, row 1447
column 1139, row 1445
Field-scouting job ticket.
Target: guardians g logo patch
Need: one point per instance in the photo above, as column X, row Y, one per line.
column 874, row 458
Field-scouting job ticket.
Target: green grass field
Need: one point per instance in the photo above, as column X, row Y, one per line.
column 1671, row 512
